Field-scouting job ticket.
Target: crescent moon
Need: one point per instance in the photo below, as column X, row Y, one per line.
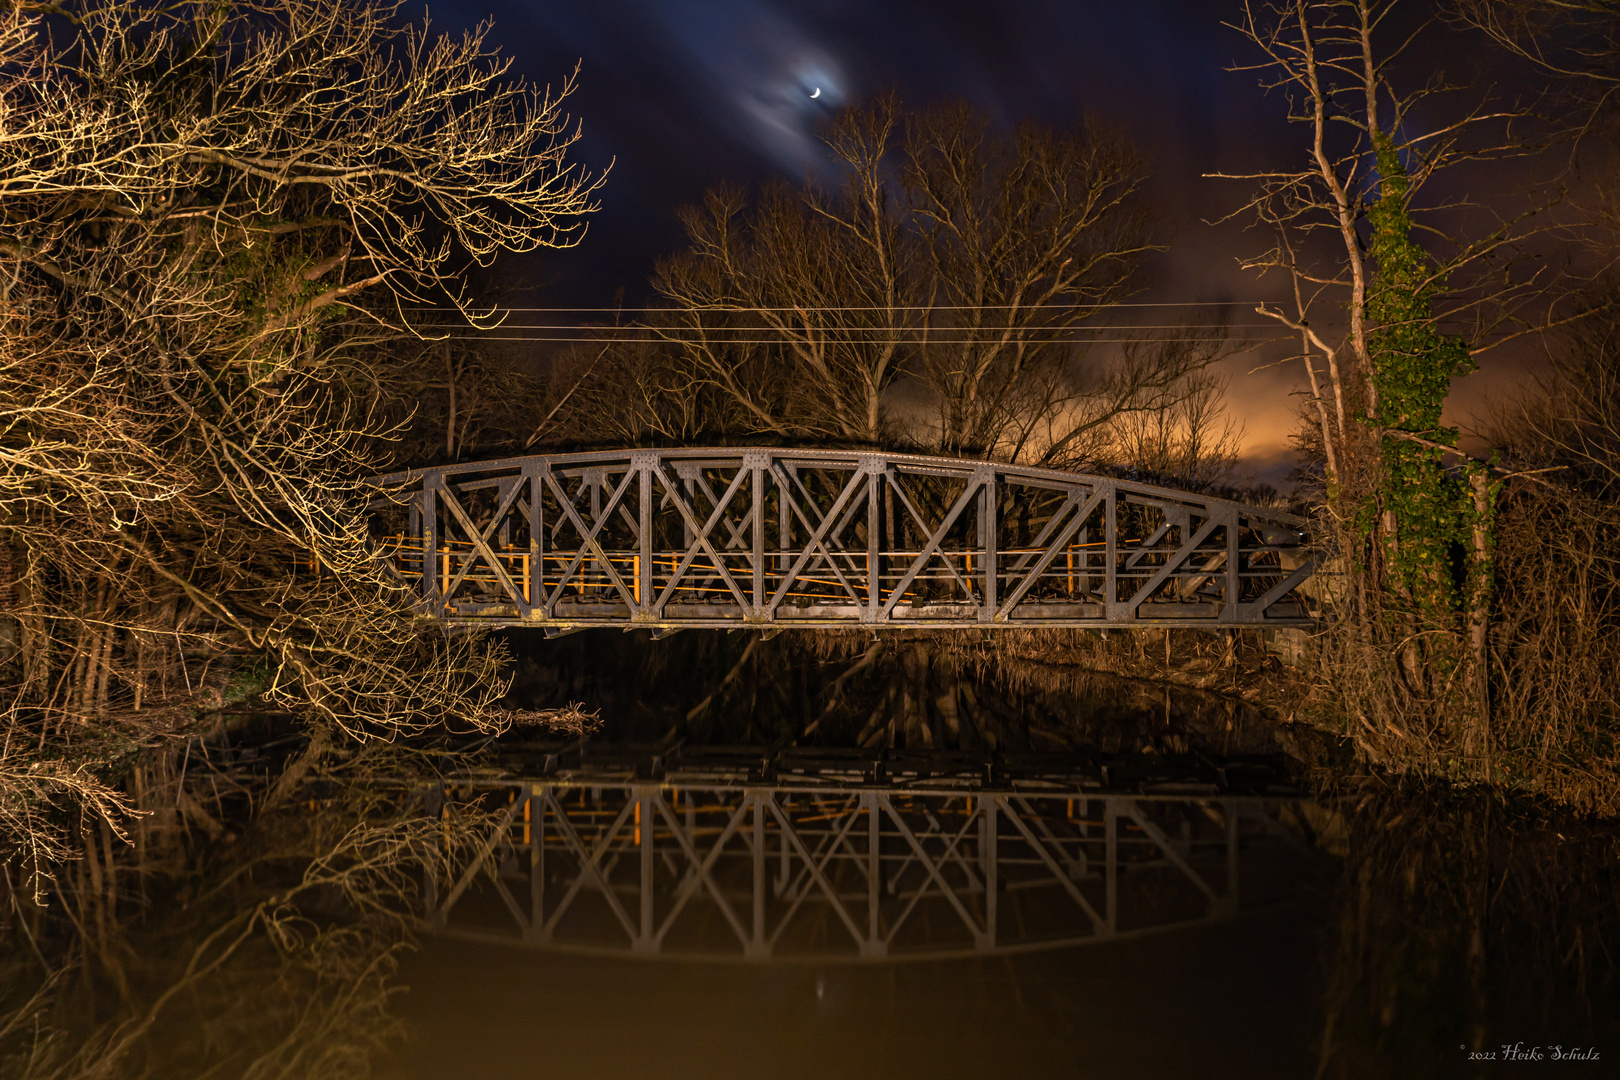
column 816, row 94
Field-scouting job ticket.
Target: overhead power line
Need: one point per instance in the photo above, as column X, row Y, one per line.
column 852, row 328
column 876, row 307
column 851, row 341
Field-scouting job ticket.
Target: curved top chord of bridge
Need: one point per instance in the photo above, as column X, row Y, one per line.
column 778, row 538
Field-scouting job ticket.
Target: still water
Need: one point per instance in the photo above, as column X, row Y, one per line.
column 1430, row 930
column 1237, row 1000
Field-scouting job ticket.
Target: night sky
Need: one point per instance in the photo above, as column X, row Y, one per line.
column 681, row 94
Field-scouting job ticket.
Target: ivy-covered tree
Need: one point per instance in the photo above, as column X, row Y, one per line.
column 1385, row 323
column 1412, row 365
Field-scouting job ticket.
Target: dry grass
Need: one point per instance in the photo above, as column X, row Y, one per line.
column 1400, row 690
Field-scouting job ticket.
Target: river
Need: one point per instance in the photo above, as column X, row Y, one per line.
column 1428, row 931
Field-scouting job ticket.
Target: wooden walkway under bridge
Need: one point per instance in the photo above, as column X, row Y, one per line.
column 779, row 538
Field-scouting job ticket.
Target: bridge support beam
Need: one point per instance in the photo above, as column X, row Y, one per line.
column 786, row 538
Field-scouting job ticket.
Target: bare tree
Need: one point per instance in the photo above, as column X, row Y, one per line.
column 210, row 216
column 1575, row 41
column 1339, row 74
column 1191, row 439
column 1380, row 221
column 1027, row 237
column 798, row 309
column 946, row 257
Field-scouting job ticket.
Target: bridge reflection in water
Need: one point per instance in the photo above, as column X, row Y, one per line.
column 738, row 855
column 774, row 538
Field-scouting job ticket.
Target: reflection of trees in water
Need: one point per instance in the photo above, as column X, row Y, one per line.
column 251, row 930
column 925, row 690
column 1465, row 920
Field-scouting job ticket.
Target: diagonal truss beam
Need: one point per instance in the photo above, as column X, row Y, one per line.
column 859, row 480
column 935, row 537
column 970, row 495
column 588, row 537
column 1174, row 562
column 818, row 867
column 702, row 869
column 933, row 870
column 480, row 541
column 1051, row 552
column 1098, row 923
column 857, row 538
column 701, row 536
column 590, row 870
column 826, row 557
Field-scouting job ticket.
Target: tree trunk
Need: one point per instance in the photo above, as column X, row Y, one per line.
column 1479, row 597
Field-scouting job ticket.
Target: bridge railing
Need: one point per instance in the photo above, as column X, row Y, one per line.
column 777, row 538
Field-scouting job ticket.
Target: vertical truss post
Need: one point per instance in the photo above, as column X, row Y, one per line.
column 434, row 799
column 1234, row 580
column 757, row 464
column 989, row 506
column 1111, row 561
column 413, row 525
column 430, row 540
column 537, row 865
column 785, row 855
column 1111, row 857
column 758, row 948
column 1083, row 825
column 534, row 579
column 984, row 842
column 595, row 479
column 644, row 567
column 873, row 947
column 686, row 472
column 1085, row 562
column 989, row 858
column 644, row 794
column 537, row 536
column 504, row 490
column 874, row 580
column 783, row 513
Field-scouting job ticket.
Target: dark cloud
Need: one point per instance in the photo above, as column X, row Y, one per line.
column 681, row 94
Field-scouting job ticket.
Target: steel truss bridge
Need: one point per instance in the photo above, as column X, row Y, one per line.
column 778, row 538
column 856, row 857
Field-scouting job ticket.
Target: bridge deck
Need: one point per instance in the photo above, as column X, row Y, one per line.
column 703, row 537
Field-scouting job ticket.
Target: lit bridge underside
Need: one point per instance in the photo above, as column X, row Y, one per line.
column 773, row 538
column 850, row 858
